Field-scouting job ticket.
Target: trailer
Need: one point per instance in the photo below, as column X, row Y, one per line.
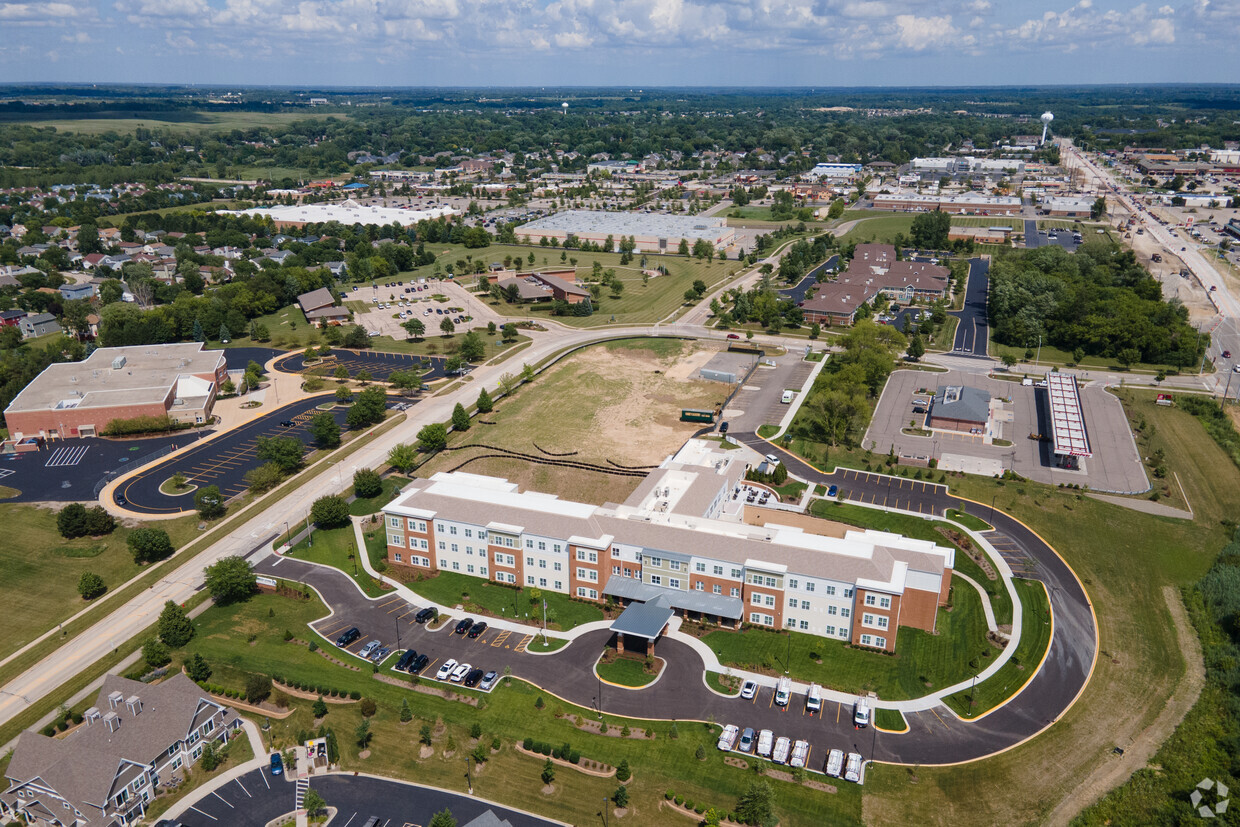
column 691, row 415
column 800, row 754
column 852, row 770
column 766, row 740
column 727, row 739
column 783, row 746
column 835, row 763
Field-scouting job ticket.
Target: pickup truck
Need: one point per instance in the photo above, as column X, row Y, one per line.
column 852, row 770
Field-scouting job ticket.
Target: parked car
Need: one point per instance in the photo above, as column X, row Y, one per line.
column 1226, row 354
column 852, row 769
column 800, row 753
column 733, row 336
column 488, row 681
column 277, row 764
column 835, row 763
column 464, row 626
column 348, row 637
column 429, row 613
column 833, row 490
column 746, row 742
column 380, row 653
column 409, row 657
column 286, row 423
column 477, row 629
column 419, row 663
column 727, row 738
column 369, row 649
column 445, row 671
column 459, row 673
column 474, row 676
column 749, row 689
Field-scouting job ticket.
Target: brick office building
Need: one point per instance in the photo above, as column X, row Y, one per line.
column 683, row 537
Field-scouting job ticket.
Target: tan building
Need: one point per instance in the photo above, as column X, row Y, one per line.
column 875, row 269
column 72, row 399
column 682, row 536
column 965, row 204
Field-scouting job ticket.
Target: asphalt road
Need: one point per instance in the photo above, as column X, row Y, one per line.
column 379, row 364
column 257, row 798
column 973, row 332
column 797, row 292
column 221, row 461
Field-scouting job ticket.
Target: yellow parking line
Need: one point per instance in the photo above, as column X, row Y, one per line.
column 935, row 714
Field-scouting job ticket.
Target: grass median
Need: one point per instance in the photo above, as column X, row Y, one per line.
column 482, row 597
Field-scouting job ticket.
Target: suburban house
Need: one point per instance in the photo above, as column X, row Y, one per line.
column 686, row 541
column 70, row 292
column 320, row 307
column 11, row 318
column 549, row 285
column 875, row 269
column 71, row 399
column 38, row 324
column 136, row 737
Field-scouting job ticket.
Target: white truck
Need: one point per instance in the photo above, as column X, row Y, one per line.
column 727, row 739
column 788, row 397
column 852, row 770
column 766, row 740
column 835, row 763
column 782, row 747
column 800, row 754
column 783, row 691
column 813, row 698
column 861, row 711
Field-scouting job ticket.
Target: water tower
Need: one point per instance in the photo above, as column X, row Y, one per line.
column 564, row 107
column 1047, row 117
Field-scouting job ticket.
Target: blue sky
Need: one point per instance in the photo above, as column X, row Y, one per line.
column 620, row 42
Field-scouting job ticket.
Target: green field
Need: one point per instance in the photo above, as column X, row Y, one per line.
column 881, row 228
column 988, row 221
column 41, row 569
column 391, row 487
column 923, row 661
column 478, row 596
column 187, row 122
column 624, row 671
column 1051, row 355
column 509, row 713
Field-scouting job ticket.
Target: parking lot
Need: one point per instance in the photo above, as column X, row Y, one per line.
column 1114, row 466
column 419, row 304
column 1042, row 238
column 758, row 402
column 379, row 364
column 69, row 469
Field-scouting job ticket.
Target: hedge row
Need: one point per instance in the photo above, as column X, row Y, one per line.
column 63, row 723
column 699, row 808
column 562, row 753
column 325, row 691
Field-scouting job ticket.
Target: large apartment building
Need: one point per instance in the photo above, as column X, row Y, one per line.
column 686, row 535
column 874, row 269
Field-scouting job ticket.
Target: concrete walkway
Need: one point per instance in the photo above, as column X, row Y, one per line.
column 259, row 760
column 1145, row 506
column 986, row 607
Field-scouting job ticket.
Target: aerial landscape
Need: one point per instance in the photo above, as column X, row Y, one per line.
column 619, row 414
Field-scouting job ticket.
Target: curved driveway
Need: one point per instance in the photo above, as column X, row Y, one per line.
column 934, row 737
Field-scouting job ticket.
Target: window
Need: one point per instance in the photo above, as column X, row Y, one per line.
column 394, row 522
column 397, row 558
column 792, row 624
column 469, row 532
column 529, row 561
column 443, row 562
column 829, row 630
column 867, row 640
column 482, row 534
column 880, row 642
column 871, row 600
column 395, row 540
column 656, row 561
column 675, row 565
column 558, row 585
column 482, row 570
column 832, row 610
column 846, row 612
column 718, row 570
column 469, row 551
column 440, row 528
column 542, row 581
column 482, row 553
column 443, row 546
column 755, row 599
column 804, row 625
column 176, row 763
column 809, row 585
column 593, row 578
column 556, row 548
column 700, row 586
column 615, row 552
column 848, row 592
column 455, row 548
column 452, row 529
column 882, row 621
column 793, row 584
column 805, row 605
column 529, row 543
column 593, row 594
column 770, row 600
column 469, row 569
column 736, row 573
column 736, row 592
column 542, row 546
column 542, row 564
column 529, row 580
column 674, row 583
column 717, row 589
column 770, row 581
column 581, row 574
column 456, row 565
column 656, row 580
column 884, row 603
column 792, row 602
column 628, row 572
column 581, row 591
column 615, row 569
column 699, row 567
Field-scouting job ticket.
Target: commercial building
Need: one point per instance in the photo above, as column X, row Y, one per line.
column 845, row 171
column 686, row 537
column 319, row 307
column 135, row 739
column 651, row 233
column 80, row 398
column 560, row 285
column 980, row 235
column 875, row 269
column 959, row 408
column 348, row 213
column 967, row 203
column 966, row 164
column 1068, row 206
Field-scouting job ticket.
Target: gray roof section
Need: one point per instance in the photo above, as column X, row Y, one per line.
column 315, row 299
column 693, row 601
column 629, row 223
column 644, row 619
column 489, row 819
column 961, row 402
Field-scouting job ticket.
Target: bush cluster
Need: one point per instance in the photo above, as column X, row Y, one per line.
column 563, row 752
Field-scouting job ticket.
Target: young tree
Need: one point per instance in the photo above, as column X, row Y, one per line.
column 415, row 328
column 1008, row 359
column 341, row 374
column 329, row 512
column 155, row 654
column 916, row 347
column 757, row 805
column 343, row 395
column 197, row 669
column 433, row 437
column 406, row 714
column 363, row 733
column 324, row 430
column 364, row 377
column 509, row 332
column 367, row 483
column 312, row 801
column 71, row 521
column 231, row 580
column 402, row 458
column 472, row 347
column 175, row 628
column 621, row 796
column 369, row 408
column 210, row 756
column 406, row 381
column 443, row 818
column 209, row 502
column 257, row 687
column 319, row 708
column 285, row 451
column 264, row 477
column 357, row 338
column 548, row 772
column 149, row 544
column 460, row 418
column 484, row 403
column 225, row 334
column 623, row 773
column 447, row 326
column 424, row 735
column 90, row 585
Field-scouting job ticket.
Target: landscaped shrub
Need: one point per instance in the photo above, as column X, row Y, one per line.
column 355, row 695
column 61, row 726
column 574, row 756
column 679, row 800
column 77, row 718
column 528, row 744
column 49, row 730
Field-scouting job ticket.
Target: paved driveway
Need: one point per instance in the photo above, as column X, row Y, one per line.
column 256, row 798
column 973, row 332
column 380, row 364
column 757, row 403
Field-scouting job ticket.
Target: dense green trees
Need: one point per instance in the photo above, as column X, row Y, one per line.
column 324, row 430
column 230, row 580
column 1098, row 300
column 209, row 502
column 368, row 409
column 329, row 512
column 930, row 230
column 149, row 544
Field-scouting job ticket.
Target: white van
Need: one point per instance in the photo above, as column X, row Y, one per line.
column 783, row 691
column 788, row 397
column 861, row 712
column 835, row 763
column 813, row 698
column 852, row 771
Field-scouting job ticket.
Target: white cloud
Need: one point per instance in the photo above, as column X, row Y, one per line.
column 40, row 12
column 1166, row 11
column 918, row 33
column 1161, row 30
column 79, row 36
column 180, row 42
column 193, row 11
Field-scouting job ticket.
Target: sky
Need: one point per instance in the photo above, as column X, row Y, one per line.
column 620, row 42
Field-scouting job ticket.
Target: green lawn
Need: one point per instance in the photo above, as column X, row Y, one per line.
column 479, row 596
column 890, row 719
column 624, row 671
column 923, row 661
column 391, row 487
column 334, row 547
column 1035, row 617
column 983, row 221
column 1054, row 356
column 436, row 344
column 882, row 228
column 968, row 520
column 863, row 517
column 1000, row 600
column 509, row 713
column 41, row 569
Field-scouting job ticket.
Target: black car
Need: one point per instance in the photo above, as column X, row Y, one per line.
column 348, row 637
column 409, row 657
column 477, row 629
column 473, row 677
column 426, row 614
column 419, row 663
column 464, row 625
column 287, row 423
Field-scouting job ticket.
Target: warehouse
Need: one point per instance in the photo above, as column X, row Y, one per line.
column 80, row 398
column 968, row 203
column 348, row 213
column 651, row 233
column 1068, row 206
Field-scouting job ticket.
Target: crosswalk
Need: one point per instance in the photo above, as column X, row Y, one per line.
column 64, row 457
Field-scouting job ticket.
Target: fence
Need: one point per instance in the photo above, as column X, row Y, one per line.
column 132, row 464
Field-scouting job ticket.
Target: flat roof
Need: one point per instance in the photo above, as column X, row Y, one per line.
column 149, row 373
column 628, row 223
column 691, row 600
column 349, row 212
column 1067, row 419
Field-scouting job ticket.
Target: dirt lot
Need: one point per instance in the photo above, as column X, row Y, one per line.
column 618, row 402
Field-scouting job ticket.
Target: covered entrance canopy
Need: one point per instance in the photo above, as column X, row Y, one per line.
column 643, row 620
column 647, row 604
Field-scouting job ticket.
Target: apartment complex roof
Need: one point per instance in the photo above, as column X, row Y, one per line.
column 316, row 299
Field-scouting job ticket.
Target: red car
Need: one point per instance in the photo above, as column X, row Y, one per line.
column 733, row 336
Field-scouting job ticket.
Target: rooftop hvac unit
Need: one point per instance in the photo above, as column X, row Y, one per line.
column 118, row 363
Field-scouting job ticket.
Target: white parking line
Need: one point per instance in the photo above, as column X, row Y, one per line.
column 225, row 800
column 242, row 786
column 350, row 821
column 201, row 812
column 263, row 775
column 62, row 457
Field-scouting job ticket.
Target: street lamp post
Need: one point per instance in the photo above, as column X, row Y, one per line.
column 606, row 804
column 288, row 537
